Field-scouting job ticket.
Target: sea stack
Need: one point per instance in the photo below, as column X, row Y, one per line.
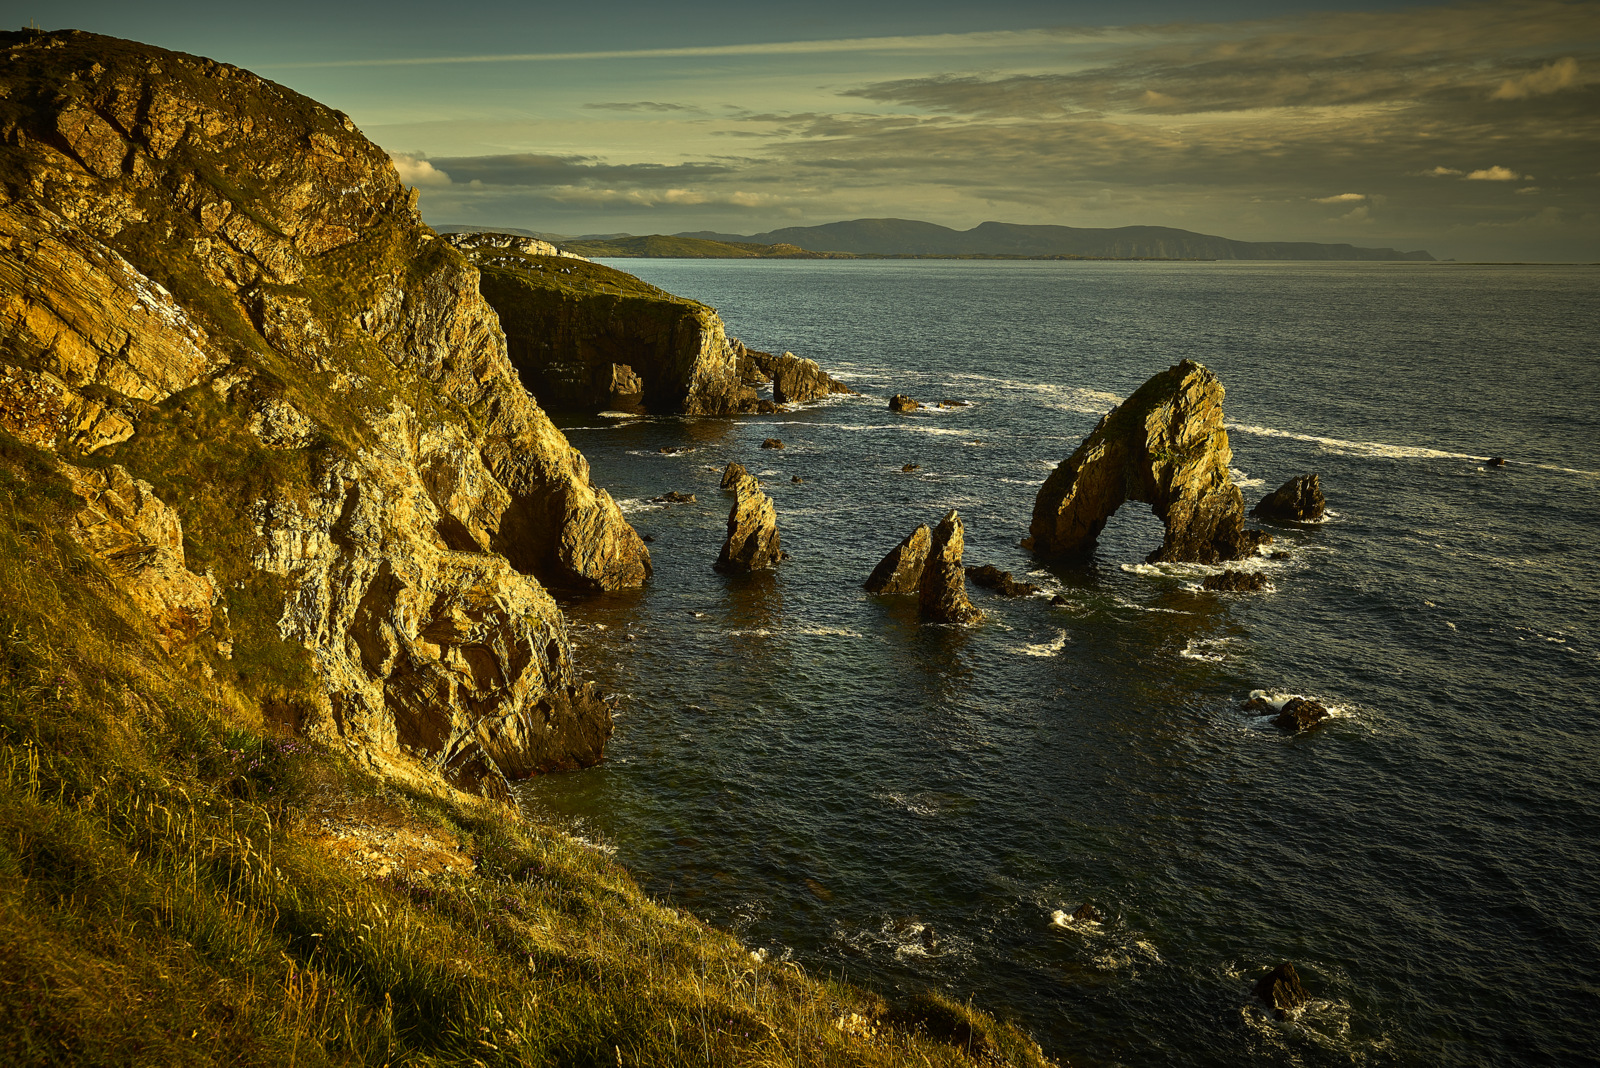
column 732, row 474
column 1166, row 446
column 942, row 591
column 1298, row 500
column 901, row 570
column 752, row 542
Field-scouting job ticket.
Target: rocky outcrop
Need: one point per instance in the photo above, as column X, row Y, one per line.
column 902, row 403
column 139, row 539
column 1280, row 989
column 1002, row 582
column 796, row 380
column 1165, row 446
column 733, row 473
column 942, row 591
column 901, row 570
column 1291, row 714
column 1298, row 500
column 1231, row 581
column 571, row 324
column 772, row 443
column 224, row 289
column 752, row 541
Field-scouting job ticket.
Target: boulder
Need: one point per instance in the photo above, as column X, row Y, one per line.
column 1299, row 714
column 772, row 443
column 908, row 468
column 942, row 591
column 901, row 570
column 1087, row 913
column 1495, row 461
column 1231, row 581
column 1280, row 989
column 992, row 578
column 796, row 380
column 1298, row 500
column 752, row 541
column 732, row 474
column 902, row 403
column 1165, row 446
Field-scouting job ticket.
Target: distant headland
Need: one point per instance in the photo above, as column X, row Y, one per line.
column 911, row 239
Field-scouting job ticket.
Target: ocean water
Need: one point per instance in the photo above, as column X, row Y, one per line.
column 910, row 805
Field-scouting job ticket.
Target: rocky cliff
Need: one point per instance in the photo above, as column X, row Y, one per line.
column 576, row 329
column 224, row 329
column 1166, row 446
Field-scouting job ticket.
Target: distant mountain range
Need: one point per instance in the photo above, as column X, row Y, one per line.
column 908, row 237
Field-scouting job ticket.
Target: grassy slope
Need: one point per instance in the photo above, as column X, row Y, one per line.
column 162, row 899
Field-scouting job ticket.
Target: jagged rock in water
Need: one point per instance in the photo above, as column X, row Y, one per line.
column 901, row 570
column 224, row 288
column 733, row 473
column 902, row 403
column 908, row 468
column 752, row 541
column 1280, row 989
column 568, row 321
column 1087, row 913
column 139, row 539
column 673, row 497
column 796, row 380
column 942, row 591
column 752, row 364
column 1231, row 581
column 1166, row 446
column 1299, row 714
column 1495, row 461
column 1298, row 500
column 1002, row 582
column 772, row 443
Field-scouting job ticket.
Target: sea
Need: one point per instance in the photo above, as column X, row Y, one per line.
column 907, row 805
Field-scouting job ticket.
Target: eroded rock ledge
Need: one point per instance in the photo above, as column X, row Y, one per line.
column 1165, row 446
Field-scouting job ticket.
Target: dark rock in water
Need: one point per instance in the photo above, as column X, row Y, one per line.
column 732, row 474
column 648, row 539
column 901, row 570
column 955, row 404
column 1231, row 581
column 1258, row 706
column 902, row 403
column 1298, row 500
column 909, row 467
column 1087, row 912
column 772, row 443
column 673, row 450
column 1280, row 555
column 928, row 938
column 797, row 381
column 1299, row 714
column 752, row 541
column 1060, row 599
column 1495, row 461
column 1281, row 990
column 673, row 497
column 796, row 479
column 992, row 578
column 1166, row 446
column 942, row 593
column 763, row 407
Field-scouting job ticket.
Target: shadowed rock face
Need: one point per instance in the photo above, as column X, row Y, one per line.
column 942, row 592
column 1298, row 500
column 901, row 570
column 752, row 542
column 1165, row 446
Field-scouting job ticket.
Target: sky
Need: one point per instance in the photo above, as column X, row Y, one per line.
column 1471, row 130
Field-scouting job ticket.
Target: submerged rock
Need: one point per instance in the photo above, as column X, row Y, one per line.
column 908, row 468
column 901, row 570
column 992, row 578
column 1280, row 989
column 1166, row 446
column 942, row 590
column 1495, row 461
column 1299, row 714
column 1298, row 500
column 1231, row 581
column 752, row 541
column 902, row 403
column 673, row 497
column 1087, row 913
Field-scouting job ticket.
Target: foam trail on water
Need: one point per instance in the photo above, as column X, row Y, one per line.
column 1392, row 452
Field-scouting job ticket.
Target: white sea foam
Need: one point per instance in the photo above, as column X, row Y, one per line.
column 828, row 632
column 749, row 632
column 1049, row 648
column 1241, row 479
column 1387, row 451
column 630, row 505
column 1064, row 919
column 617, row 415
column 1211, row 650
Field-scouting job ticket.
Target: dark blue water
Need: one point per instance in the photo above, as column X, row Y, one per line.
column 909, row 805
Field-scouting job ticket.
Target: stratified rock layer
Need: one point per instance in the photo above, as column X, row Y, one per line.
column 1298, row 500
column 1166, row 446
column 224, row 289
column 901, row 570
column 752, row 541
column 942, row 590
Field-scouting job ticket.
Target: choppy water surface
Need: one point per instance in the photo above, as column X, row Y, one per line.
column 909, row 805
